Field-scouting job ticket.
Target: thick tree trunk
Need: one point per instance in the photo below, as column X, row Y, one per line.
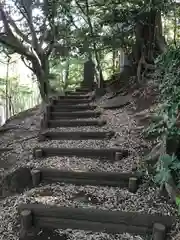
column 160, row 40
column 42, row 73
column 44, row 86
column 149, row 42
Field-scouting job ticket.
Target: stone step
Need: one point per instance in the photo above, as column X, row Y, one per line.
column 71, row 115
column 113, row 179
column 111, row 154
column 74, row 123
column 75, row 135
column 69, row 101
column 72, row 108
column 37, row 216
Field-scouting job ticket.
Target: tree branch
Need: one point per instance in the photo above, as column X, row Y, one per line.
column 45, row 31
column 53, row 30
column 9, row 39
column 5, row 21
column 18, row 31
column 13, row 45
column 27, row 13
column 23, row 59
column 82, row 10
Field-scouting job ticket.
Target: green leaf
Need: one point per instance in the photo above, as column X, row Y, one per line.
column 176, row 166
column 163, row 176
column 178, row 201
column 167, row 160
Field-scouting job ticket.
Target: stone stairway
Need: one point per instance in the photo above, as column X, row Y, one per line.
column 76, row 109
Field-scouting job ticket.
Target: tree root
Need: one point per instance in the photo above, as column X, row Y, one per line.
column 24, row 139
column 7, row 128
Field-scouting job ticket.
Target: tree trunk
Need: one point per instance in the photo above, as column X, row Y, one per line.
column 42, row 74
column 44, row 86
column 66, row 77
column 101, row 78
column 114, row 60
column 160, row 39
column 149, row 42
column 7, row 89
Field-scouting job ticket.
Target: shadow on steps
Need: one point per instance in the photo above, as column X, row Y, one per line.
column 45, row 234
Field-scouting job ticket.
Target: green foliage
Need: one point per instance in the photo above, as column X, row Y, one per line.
column 18, row 95
column 168, row 167
column 178, row 203
column 58, row 69
column 167, row 76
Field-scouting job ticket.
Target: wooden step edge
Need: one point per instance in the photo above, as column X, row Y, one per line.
column 71, row 93
column 77, row 112
column 75, row 123
column 110, row 154
column 67, row 97
column 46, row 122
column 78, row 107
column 42, row 216
column 43, row 136
column 128, row 180
column 5, row 149
column 83, row 114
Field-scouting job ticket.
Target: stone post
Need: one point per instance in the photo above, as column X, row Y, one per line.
column 89, row 73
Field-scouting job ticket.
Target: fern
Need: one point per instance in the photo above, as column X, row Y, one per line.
column 168, row 167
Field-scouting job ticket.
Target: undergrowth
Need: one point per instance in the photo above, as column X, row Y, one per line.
column 167, row 75
column 166, row 121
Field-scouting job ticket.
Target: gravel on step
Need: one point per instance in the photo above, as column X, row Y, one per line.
column 146, row 200
column 73, row 143
column 80, row 164
column 82, row 128
column 87, row 235
column 9, row 229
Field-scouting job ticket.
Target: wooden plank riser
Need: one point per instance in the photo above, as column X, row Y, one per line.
column 94, row 219
column 76, row 94
column 83, row 91
column 82, row 182
column 70, row 115
column 80, row 152
column 48, row 176
column 75, row 135
column 67, row 97
column 106, row 216
column 60, row 123
column 69, row 108
column 70, row 102
column 71, row 93
column 56, row 223
column 54, row 117
column 110, row 176
column 84, row 155
column 5, row 149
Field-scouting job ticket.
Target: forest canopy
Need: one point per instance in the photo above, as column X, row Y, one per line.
column 52, row 33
